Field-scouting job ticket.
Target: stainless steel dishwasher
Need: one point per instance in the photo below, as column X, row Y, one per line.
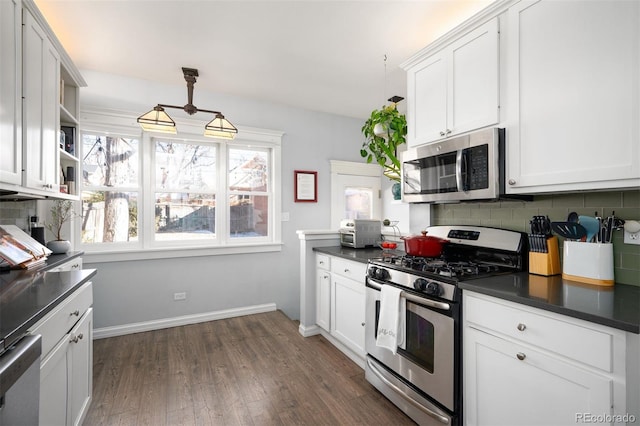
column 20, row 382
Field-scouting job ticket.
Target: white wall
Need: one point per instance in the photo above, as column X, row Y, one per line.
column 139, row 291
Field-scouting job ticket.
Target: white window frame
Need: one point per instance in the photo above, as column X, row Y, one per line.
column 118, row 123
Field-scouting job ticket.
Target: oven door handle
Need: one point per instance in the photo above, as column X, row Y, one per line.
column 442, row 419
column 377, row 285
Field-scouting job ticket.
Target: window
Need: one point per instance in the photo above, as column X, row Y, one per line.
column 144, row 192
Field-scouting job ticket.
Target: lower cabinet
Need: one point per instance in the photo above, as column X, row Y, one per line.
column 340, row 303
column 524, row 366
column 348, row 312
column 66, row 368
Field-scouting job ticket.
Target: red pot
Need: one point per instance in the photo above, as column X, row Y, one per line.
column 424, row 245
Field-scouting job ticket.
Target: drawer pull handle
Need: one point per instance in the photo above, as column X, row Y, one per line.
column 322, row 262
column 346, row 270
column 76, row 313
column 521, row 327
column 521, row 356
column 75, row 339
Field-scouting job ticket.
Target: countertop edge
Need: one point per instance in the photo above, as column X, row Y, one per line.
column 596, row 319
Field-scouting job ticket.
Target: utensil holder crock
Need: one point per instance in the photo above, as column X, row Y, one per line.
column 590, row 263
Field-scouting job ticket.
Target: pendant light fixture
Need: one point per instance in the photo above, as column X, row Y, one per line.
column 157, row 120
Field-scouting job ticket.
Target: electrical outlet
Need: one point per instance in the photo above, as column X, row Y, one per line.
column 630, row 238
column 632, row 232
column 180, row 296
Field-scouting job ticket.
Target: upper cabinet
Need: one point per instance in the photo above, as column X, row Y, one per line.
column 573, row 96
column 454, row 89
column 10, row 92
column 40, row 105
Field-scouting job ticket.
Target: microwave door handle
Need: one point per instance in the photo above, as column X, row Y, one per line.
column 459, row 178
column 461, row 171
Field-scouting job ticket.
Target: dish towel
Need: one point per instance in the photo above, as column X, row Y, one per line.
column 391, row 320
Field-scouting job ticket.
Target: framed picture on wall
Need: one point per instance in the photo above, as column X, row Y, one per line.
column 305, row 185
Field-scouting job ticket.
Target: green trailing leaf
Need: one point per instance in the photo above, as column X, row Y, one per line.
column 384, row 150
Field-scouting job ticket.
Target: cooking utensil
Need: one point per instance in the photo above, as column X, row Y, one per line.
column 591, row 225
column 569, row 230
column 573, row 217
column 424, row 245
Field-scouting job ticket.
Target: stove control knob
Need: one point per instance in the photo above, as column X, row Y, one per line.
column 382, row 274
column 428, row 287
column 371, row 272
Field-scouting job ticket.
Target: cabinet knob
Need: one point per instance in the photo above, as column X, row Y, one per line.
column 362, row 324
column 448, row 132
column 75, row 339
column 521, row 327
column 512, row 181
column 322, row 262
column 441, row 133
column 521, row 356
column 346, row 270
column 76, row 313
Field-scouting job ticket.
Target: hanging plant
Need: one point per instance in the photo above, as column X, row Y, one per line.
column 384, row 131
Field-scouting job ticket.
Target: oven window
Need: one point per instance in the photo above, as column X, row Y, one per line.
column 419, row 339
column 420, row 345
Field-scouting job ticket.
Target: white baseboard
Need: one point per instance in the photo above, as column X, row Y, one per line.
column 308, row 331
column 120, row 330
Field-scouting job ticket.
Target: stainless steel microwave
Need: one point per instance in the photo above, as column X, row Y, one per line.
column 463, row 168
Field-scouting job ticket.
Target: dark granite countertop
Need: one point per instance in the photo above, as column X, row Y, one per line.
column 27, row 296
column 617, row 306
column 361, row 255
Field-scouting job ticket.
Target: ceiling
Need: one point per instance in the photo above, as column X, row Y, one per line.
column 325, row 56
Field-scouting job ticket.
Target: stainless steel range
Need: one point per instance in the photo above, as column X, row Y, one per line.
column 424, row 377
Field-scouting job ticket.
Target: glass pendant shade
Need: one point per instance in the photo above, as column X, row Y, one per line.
column 220, row 127
column 157, row 120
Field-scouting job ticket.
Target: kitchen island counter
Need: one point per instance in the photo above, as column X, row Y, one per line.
column 615, row 306
column 27, row 296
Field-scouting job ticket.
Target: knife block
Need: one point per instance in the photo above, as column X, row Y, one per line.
column 546, row 264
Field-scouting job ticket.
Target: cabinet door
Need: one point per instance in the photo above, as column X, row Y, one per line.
column 347, row 312
column 10, row 92
column 323, row 299
column 427, row 100
column 41, row 85
column 573, row 95
column 54, row 380
column 473, row 80
column 508, row 384
column 81, row 371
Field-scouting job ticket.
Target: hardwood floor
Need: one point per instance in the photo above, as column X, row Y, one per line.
column 251, row 370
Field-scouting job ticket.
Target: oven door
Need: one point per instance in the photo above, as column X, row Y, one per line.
column 428, row 356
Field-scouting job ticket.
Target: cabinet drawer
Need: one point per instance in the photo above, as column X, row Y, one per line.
column 323, row 261
column 543, row 329
column 350, row 269
column 58, row 322
column 71, row 265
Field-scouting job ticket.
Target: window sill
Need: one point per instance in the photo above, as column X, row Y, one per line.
column 173, row 252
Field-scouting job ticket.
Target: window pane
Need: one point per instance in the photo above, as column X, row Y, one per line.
column 358, row 203
column 248, row 169
column 181, row 166
column 248, row 216
column 185, row 216
column 109, row 160
column 109, row 216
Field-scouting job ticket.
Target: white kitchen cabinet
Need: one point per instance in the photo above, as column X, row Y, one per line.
column 455, row 89
column 323, row 291
column 572, row 94
column 526, row 366
column 10, row 92
column 348, row 303
column 41, row 83
column 66, row 369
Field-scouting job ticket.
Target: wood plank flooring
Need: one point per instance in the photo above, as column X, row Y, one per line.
column 251, row 370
